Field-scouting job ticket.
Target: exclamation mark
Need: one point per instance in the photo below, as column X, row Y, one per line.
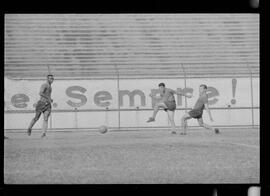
column 234, row 82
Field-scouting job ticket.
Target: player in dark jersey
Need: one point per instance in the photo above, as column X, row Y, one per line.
column 43, row 106
column 167, row 102
column 197, row 112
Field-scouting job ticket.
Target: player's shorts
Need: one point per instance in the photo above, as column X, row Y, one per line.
column 43, row 106
column 195, row 113
column 171, row 105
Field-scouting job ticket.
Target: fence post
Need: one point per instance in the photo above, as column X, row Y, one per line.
column 251, row 89
column 76, row 117
column 185, row 85
column 51, row 121
column 118, row 95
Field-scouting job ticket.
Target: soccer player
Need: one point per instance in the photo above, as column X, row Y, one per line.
column 43, row 106
column 167, row 103
column 197, row 112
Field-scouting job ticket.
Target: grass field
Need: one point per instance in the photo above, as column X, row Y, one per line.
column 132, row 157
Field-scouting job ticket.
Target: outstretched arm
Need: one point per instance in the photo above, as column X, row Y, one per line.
column 183, row 94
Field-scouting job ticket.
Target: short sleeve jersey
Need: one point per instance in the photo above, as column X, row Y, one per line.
column 168, row 95
column 47, row 90
column 203, row 99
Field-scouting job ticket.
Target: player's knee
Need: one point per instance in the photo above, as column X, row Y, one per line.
column 171, row 119
column 201, row 124
column 46, row 117
column 184, row 118
column 36, row 118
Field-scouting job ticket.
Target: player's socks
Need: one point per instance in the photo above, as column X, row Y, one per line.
column 151, row 119
column 43, row 135
column 29, row 131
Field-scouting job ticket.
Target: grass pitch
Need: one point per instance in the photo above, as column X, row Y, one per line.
column 133, row 157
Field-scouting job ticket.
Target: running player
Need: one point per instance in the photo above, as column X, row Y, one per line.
column 167, row 102
column 43, row 106
column 197, row 112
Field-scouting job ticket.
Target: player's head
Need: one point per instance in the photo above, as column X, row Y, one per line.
column 161, row 86
column 202, row 88
column 50, row 78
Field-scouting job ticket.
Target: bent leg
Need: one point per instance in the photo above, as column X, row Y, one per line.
column 45, row 122
column 184, row 119
column 206, row 126
column 33, row 121
column 156, row 107
column 171, row 119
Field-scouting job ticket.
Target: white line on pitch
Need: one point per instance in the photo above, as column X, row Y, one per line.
column 246, row 145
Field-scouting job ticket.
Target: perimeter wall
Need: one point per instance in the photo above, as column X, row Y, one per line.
column 91, row 103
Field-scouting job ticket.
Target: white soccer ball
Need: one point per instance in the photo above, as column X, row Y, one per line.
column 103, row 129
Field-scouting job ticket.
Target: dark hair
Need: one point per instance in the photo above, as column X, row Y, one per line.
column 161, row 84
column 204, row 86
column 49, row 75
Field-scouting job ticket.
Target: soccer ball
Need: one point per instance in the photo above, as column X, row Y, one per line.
column 103, row 129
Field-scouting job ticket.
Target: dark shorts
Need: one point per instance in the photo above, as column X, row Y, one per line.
column 195, row 113
column 171, row 105
column 43, row 106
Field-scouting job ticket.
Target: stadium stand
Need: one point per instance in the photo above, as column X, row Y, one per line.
column 140, row 45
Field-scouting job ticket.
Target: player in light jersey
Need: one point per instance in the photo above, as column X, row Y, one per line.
column 43, row 106
column 167, row 102
column 197, row 112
